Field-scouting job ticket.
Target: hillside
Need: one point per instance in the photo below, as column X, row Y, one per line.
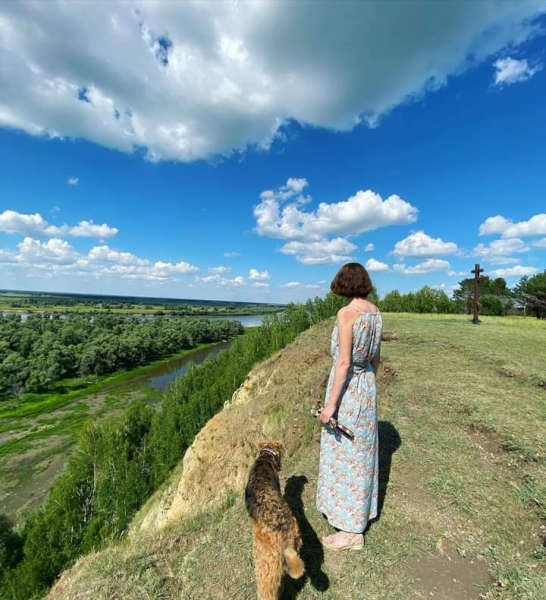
column 463, row 465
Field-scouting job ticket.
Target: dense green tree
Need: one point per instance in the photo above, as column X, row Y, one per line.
column 14, row 372
column 11, row 547
column 393, row 302
column 495, row 296
column 531, row 293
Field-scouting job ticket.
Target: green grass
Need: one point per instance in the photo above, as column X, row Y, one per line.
column 462, row 461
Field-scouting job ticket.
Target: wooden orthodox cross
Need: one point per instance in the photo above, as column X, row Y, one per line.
column 476, row 299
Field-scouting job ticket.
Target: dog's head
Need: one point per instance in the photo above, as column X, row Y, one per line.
column 273, row 449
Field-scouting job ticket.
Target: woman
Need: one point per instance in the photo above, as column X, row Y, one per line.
column 347, row 487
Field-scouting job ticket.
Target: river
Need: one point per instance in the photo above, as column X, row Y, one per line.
column 159, row 378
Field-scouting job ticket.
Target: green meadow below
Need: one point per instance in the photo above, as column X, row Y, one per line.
column 462, row 472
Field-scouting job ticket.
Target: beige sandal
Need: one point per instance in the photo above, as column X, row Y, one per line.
column 336, row 542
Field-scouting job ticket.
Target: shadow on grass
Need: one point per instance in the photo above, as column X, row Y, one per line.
column 389, row 442
column 312, row 552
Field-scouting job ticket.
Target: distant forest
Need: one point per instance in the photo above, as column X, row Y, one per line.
column 37, row 353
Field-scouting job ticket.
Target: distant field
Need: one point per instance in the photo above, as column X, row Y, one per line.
column 79, row 308
column 462, row 471
column 41, row 302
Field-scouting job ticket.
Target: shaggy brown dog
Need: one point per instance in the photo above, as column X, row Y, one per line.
column 276, row 533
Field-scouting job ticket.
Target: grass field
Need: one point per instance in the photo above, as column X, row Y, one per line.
column 462, row 473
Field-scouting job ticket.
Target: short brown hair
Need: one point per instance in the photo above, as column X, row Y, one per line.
column 352, row 281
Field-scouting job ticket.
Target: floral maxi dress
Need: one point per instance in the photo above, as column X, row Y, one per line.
column 348, row 486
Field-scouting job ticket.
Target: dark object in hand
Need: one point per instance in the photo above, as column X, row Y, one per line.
column 334, row 423
column 344, row 430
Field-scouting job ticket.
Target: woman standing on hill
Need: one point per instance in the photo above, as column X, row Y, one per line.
column 347, row 488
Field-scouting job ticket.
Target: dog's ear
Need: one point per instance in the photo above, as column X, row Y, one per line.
column 262, row 445
column 277, row 446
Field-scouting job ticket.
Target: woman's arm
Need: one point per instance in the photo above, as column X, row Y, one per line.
column 345, row 321
column 375, row 360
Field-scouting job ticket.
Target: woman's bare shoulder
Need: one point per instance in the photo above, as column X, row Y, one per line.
column 347, row 315
column 368, row 307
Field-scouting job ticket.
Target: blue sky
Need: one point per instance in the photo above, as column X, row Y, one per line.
column 245, row 152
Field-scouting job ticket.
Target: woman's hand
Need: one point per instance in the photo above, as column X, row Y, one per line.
column 327, row 413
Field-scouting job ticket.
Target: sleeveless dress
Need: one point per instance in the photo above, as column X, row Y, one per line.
column 348, row 484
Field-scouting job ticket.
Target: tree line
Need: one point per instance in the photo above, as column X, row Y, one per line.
column 528, row 297
column 118, row 464
column 37, row 353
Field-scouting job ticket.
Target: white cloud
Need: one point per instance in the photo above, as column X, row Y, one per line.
column 539, row 243
column 517, row 271
column 419, row 244
column 104, row 253
column 57, row 256
column 188, row 80
column 297, row 284
column 258, row 275
column 219, row 270
column 260, row 285
column 498, row 252
column 231, row 254
column 158, row 271
column 73, row 181
column 320, row 253
column 90, row 229
column 502, row 260
column 309, row 233
column 452, row 273
column 54, row 250
column 179, row 267
column 221, row 281
column 365, row 211
column 35, row 225
column 536, row 225
column 369, row 248
column 376, row 266
column 428, row 266
column 511, row 70
column 14, row 222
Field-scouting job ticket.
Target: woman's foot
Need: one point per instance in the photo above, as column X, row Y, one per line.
column 342, row 540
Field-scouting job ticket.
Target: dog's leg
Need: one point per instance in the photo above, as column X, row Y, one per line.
column 268, row 562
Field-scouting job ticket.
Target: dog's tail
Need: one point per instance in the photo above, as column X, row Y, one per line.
column 294, row 564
